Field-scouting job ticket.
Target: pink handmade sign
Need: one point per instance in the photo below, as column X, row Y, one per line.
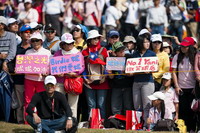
column 67, row 63
column 34, row 64
column 143, row 64
column 115, row 63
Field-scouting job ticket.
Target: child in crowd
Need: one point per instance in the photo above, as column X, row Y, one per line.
column 171, row 98
column 121, row 98
column 157, row 112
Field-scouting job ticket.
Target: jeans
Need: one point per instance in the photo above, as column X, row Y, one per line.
column 121, row 100
column 140, row 100
column 96, row 99
column 176, row 31
column 157, row 29
column 48, row 125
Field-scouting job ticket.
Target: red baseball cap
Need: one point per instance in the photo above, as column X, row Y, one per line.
column 187, row 41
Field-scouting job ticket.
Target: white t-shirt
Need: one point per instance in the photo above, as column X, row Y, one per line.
column 175, row 12
column 53, row 7
column 32, row 15
column 112, row 14
column 132, row 17
column 186, row 75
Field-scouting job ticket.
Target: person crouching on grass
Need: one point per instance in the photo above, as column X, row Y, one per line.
column 53, row 111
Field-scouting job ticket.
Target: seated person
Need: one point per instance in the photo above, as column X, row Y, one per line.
column 53, row 111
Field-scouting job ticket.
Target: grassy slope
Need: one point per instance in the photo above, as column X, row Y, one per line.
column 16, row 128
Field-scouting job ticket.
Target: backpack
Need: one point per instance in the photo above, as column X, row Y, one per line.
column 95, row 71
column 165, row 125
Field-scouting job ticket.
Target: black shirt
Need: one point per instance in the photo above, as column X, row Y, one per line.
column 49, row 107
column 19, row 78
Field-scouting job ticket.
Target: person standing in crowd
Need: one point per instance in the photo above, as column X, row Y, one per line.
column 121, row 97
column 130, row 43
column 25, row 33
column 132, row 19
column 52, row 10
column 192, row 25
column 52, row 41
column 157, row 24
column 112, row 16
column 95, row 90
column 53, row 111
column 171, row 98
column 112, row 38
column 8, row 45
column 163, row 59
column 36, row 27
column 92, row 14
column 144, row 5
column 143, row 84
column 29, row 14
column 34, row 82
column 79, row 33
column 175, row 10
column 67, row 48
column 184, row 81
column 13, row 26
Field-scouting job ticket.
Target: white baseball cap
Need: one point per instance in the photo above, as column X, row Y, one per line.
column 36, row 35
column 27, row 1
column 11, row 20
column 50, row 79
column 157, row 95
column 3, row 20
column 167, row 76
column 93, row 34
column 67, row 37
column 166, row 44
column 156, row 37
column 143, row 31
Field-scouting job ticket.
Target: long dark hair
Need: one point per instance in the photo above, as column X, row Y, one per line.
column 140, row 41
column 191, row 55
column 162, row 109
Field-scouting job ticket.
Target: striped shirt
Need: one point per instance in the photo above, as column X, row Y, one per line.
column 8, row 45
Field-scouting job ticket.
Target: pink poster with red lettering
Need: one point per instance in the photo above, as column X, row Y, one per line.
column 33, row 64
column 143, row 64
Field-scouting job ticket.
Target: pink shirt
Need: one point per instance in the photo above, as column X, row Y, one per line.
column 90, row 8
column 197, row 64
column 170, row 98
column 41, row 51
column 186, row 75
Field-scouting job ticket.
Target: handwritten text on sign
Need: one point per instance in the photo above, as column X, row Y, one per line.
column 144, row 64
column 115, row 63
column 34, row 64
column 65, row 64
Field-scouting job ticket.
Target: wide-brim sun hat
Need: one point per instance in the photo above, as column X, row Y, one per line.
column 93, row 34
column 157, row 95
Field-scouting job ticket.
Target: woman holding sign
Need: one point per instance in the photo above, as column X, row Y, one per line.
column 143, row 85
column 163, row 59
column 34, row 82
column 67, row 49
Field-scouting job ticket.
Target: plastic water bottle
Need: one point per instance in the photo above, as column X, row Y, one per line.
column 39, row 128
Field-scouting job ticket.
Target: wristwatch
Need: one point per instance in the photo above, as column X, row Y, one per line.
column 69, row 118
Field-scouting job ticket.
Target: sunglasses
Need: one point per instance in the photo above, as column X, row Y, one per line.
column 35, row 40
column 50, row 31
column 157, row 42
column 27, row 31
column 114, row 37
column 77, row 30
column 96, row 38
column 64, row 43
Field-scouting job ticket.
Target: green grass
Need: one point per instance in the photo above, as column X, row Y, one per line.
column 18, row 128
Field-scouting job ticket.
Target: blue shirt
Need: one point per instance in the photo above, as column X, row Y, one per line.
column 143, row 77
